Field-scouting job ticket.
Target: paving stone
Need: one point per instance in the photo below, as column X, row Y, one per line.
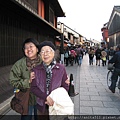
column 101, row 98
column 97, row 89
column 115, row 98
column 88, row 86
column 89, row 93
column 112, row 104
column 94, row 83
column 107, row 93
column 105, row 111
column 86, row 111
column 91, row 103
column 83, row 97
column 84, row 89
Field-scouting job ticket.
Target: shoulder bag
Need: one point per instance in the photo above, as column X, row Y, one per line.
column 20, row 101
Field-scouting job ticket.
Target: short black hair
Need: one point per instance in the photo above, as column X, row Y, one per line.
column 32, row 40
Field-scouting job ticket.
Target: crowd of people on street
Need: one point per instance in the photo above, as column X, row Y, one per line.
column 99, row 56
column 74, row 55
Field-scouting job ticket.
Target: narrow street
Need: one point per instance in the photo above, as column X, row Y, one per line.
column 94, row 96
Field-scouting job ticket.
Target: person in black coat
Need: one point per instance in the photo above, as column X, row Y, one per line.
column 116, row 60
column 98, row 56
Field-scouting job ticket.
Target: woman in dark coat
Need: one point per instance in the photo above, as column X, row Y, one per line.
column 49, row 75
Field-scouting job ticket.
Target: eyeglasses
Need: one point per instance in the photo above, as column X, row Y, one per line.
column 29, row 47
column 45, row 52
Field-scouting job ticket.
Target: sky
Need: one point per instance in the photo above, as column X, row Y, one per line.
column 87, row 17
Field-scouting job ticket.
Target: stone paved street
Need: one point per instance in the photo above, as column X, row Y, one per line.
column 94, row 96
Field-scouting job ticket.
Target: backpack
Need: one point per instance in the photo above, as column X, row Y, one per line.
column 79, row 52
column 66, row 55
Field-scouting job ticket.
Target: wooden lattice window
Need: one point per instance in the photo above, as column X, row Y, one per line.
column 51, row 16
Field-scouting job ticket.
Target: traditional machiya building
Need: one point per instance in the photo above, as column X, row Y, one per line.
column 114, row 27
column 21, row 19
column 71, row 37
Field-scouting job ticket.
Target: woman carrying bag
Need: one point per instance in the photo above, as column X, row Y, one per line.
column 21, row 74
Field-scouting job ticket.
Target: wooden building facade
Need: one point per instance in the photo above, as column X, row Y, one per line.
column 114, row 27
column 21, row 19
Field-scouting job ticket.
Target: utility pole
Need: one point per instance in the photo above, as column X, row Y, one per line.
column 62, row 43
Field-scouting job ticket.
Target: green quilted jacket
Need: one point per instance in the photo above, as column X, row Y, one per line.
column 19, row 77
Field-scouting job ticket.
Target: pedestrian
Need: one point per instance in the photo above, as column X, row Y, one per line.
column 72, row 56
column 21, row 74
column 82, row 49
column 98, row 56
column 91, row 55
column 116, row 61
column 76, row 59
column 57, row 55
column 103, row 57
column 49, row 75
column 66, row 56
column 107, row 51
column 79, row 54
column 111, row 52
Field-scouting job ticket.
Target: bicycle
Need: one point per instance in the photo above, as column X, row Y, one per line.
column 109, row 74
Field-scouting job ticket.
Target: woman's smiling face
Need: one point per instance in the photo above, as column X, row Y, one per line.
column 30, row 50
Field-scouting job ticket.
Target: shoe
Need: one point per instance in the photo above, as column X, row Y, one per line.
column 113, row 91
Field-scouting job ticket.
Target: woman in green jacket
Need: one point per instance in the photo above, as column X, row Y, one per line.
column 21, row 74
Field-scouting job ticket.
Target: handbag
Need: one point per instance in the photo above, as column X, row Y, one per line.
column 20, row 101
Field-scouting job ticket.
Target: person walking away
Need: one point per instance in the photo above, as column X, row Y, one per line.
column 98, row 56
column 91, row 56
column 79, row 53
column 116, row 61
column 21, row 74
column 111, row 52
column 49, row 75
column 107, row 51
column 103, row 57
column 82, row 49
column 57, row 55
column 76, row 59
column 66, row 55
column 72, row 56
